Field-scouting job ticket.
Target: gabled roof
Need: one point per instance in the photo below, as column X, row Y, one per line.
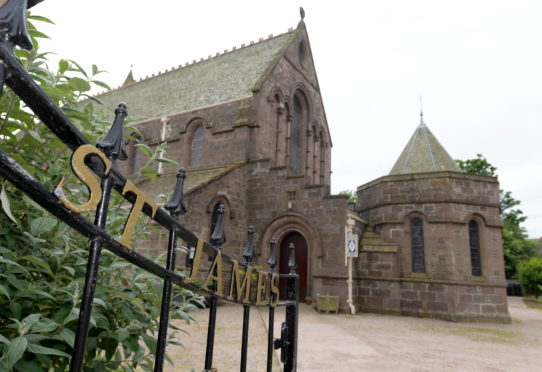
column 424, row 153
column 225, row 77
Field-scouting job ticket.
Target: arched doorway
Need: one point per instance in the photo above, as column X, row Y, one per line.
column 301, row 258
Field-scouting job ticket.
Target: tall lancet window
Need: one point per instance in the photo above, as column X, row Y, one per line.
column 196, row 153
column 476, row 262
column 417, row 246
column 296, row 133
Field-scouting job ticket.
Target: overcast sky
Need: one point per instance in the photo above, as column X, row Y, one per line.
column 477, row 63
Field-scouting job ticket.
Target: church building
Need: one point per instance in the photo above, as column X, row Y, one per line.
column 249, row 126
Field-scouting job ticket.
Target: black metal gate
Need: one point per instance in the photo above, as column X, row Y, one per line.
column 100, row 160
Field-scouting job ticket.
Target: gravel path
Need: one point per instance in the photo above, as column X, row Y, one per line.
column 371, row 342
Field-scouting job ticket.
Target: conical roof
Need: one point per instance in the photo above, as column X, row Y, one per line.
column 424, row 153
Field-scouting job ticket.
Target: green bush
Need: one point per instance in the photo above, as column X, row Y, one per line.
column 530, row 276
column 43, row 261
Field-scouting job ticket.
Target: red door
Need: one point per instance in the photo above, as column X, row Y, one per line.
column 301, row 258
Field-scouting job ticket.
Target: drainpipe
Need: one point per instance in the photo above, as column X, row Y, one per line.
column 350, row 301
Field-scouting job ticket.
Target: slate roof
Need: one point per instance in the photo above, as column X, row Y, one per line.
column 424, row 153
column 225, row 77
column 195, row 179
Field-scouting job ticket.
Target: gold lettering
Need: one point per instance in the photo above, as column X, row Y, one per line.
column 215, row 267
column 195, row 263
column 240, row 287
column 261, row 285
column 274, row 289
column 86, row 176
column 141, row 199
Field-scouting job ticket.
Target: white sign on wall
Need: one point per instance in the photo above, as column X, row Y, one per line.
column 352, row 245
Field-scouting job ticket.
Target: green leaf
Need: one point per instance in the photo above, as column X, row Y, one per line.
column 41, row 225
column 39, row 262
column 101, row 84
column 28, row 322
column 122, row 334
column 150, row 342
column 150, row 173
column 6, row 205
column 63, row 65
column 68, row 336
column 16, row 308
column 4, row 340
column 38, row 349
column 40, row 18
column 15, row 350
column 144, row 148
column 79, row 84
column 45, row 325
column 167, row 161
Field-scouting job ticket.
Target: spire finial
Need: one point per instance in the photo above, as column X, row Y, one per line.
column 421, row 111
column 302, row 12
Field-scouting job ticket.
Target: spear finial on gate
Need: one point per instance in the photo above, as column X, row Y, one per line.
column 249, row 254
column 113, row 143
column 219, row 237
column 291, row 262
column 272, row 255
column 13, row 21
column 175, row 204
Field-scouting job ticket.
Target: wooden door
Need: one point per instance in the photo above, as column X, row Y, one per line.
column 301, row 259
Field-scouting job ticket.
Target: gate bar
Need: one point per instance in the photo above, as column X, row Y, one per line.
column 292, row 313
column 217, row 239
column 175, row 206
column 113, row 148
column 271, row 323
column 248, row 254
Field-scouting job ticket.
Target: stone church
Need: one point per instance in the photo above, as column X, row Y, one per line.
column 250, row 127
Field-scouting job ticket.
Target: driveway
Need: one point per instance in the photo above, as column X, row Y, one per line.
column 372, row 342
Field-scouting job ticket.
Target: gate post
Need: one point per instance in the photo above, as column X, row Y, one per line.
column 292, row 313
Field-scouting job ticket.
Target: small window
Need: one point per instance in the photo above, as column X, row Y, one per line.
column 474, row 240
column 137, row 157
column 302, row 54
column 296, row 133
column 196, row 156
column 416, row 241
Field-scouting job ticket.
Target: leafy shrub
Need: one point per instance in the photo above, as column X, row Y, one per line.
column 43, row 261
column 530, row 276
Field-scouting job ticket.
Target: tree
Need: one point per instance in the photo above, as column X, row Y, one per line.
column 515, row 243
column 530, row 275
column 43, row 261
column 352, row 197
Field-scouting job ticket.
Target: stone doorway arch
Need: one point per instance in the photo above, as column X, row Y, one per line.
column 285, row 227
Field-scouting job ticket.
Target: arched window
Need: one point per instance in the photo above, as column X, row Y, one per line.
column 474, row 241
column 296, row 132
column 196, row 154
column 416, row 242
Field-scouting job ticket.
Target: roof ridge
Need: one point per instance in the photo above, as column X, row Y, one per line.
column 201, row 60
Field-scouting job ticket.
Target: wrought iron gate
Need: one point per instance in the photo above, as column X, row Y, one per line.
column 89, row 161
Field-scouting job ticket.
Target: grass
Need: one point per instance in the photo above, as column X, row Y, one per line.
column 479, row 334
column 533, row 303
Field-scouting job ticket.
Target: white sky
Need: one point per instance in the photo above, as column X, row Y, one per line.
column 476, row 63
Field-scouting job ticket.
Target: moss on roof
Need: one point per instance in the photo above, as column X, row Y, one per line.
column 226, row 77
column 424, row 153
column 195, row 179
